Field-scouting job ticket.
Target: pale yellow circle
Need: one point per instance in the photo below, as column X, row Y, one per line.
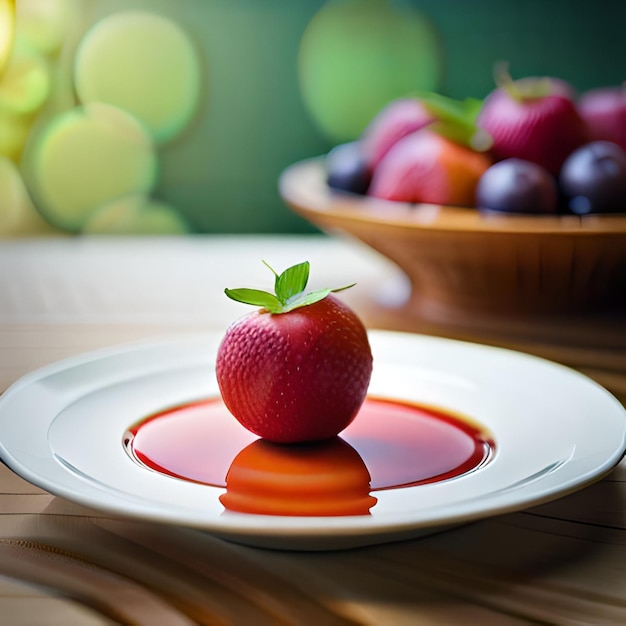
column 14, row 130
column 7, row 23
column 25, row 83
column 87, row 157
column 136, row 215
column 142, row 63
column 18, row 216
column 44, row 23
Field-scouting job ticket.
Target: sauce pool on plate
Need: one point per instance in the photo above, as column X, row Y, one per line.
column 390, row 444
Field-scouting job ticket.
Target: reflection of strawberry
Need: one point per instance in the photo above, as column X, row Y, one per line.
column 297, row 369
column 533, row 119
column 324, row 478
column 427, row 167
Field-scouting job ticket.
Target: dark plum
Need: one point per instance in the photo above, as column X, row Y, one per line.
column 517, row 186
column 346, row 169
column 593, row 179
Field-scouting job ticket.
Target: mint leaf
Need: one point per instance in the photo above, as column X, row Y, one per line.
column 304, row 299
column 456, row 119
column 292, row 281
column 255, row 297
column 290, row 291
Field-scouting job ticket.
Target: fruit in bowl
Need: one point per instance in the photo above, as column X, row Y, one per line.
column 517, row 186
column 433, row 149
column 593, row 179
column 534, row 119
column 425, row 166
column 604, row 113
column 485, row 225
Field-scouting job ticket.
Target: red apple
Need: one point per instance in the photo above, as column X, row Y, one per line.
column 604, row 111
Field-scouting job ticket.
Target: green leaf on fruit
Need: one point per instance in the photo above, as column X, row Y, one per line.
column 456, row 119
column 292, row 281
column 256, row 297
column 290, row 293
column 304, row 299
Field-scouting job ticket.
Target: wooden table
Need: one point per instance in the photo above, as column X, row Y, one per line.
column 559, row 563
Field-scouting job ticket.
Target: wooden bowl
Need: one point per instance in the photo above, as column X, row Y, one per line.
column 461, row 262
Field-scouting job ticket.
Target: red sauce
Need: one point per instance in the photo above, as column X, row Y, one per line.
column 390, row 444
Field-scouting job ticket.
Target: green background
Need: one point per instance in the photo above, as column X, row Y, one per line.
column 253, row 121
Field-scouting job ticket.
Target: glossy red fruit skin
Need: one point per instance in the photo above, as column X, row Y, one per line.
column 604, row 112
column 298, row 376
column 544, row 130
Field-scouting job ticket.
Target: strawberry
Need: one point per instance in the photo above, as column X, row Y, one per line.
column 427, row 167
column 297, row 369
column 533, row 119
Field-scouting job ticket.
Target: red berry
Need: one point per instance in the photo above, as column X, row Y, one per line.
column 296, row 376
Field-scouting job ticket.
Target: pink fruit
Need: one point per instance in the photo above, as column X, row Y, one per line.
column 398, row 119
column 426, row 167
column 604, row 112
column 535, row 120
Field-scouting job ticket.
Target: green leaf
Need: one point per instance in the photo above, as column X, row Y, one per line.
column 255, row 297
column 456, row 119
column 292, row 281
column 342, row 288
column 304, row 299
column 290, row 291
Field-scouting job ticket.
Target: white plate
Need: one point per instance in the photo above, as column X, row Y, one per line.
column 555, row 430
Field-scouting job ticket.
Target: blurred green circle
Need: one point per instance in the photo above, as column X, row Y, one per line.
column 357, row 55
